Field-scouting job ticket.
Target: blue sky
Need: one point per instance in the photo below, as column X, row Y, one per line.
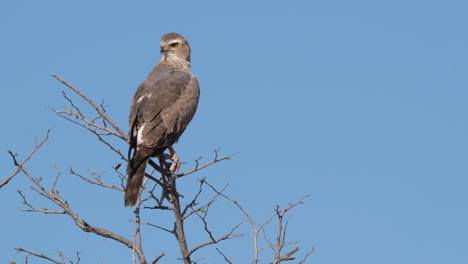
column 361, row 104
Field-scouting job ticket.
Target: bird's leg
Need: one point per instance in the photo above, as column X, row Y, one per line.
column 175, row 161
column 166, row 164
column 165, row 186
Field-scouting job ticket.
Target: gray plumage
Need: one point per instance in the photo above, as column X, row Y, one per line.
column 162, row 107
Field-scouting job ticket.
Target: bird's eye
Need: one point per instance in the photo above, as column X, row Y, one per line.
column 175, row 45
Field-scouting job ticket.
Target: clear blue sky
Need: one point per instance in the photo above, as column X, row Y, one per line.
column 361, row 104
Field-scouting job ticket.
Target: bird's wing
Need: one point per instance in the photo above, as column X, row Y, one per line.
column 155, row 108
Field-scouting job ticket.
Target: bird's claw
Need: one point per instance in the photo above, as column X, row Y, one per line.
column 175, row 164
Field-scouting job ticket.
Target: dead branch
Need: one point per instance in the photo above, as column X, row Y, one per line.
column 137, row 248
column 160, row 227
column 197, row 168
column 224, row 256
column 229, row 235
column 287, row 256
column 65, row 258
column 43, row 256
column 202, row 213
column 92, row 131
column 306, row 256
column 278, row 213
column 179, row 226
column 281, row 233
column 99, row 110
column 33, row 209
column 82, row 224
column 158, row 258
column 194, row 201
column 95, row 182
column 249, row 218
column 39, row 255
column 20, row 165
column 158, row 168
column 79, row 115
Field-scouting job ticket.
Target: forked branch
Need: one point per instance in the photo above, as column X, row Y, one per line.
column 38, row 255
column 96, row 107
column 20, row 164
column 279, row 213
column 53, row 196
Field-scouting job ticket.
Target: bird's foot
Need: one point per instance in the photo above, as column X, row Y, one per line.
column 175, row 164
column 164, row 163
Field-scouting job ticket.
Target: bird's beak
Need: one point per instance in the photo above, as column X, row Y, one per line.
column 164, row 48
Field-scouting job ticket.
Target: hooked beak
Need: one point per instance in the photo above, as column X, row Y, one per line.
column 164, row 48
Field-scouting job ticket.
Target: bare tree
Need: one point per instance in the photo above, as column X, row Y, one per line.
column 159, row 192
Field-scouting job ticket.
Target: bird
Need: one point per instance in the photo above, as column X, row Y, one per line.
column 162, row 107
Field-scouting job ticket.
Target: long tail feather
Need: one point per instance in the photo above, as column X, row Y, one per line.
column 136, row 171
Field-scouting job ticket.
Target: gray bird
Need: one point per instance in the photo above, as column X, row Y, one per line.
column 162, row 107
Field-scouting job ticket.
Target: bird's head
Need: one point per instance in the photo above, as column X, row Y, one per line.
column 175, row 48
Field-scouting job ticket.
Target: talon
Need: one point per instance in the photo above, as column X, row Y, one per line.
column 175, row 164
column 175, row 161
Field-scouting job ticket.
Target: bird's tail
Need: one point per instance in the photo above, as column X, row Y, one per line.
column 135, row 171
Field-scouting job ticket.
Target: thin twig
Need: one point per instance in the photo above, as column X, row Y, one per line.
column 33, row 209
column 249, row 218
column 158, row 168
column 97, row 182
column 224, row 256
column 287, row 256
column 20, row 165
column 83, row 225
column 214, row 241
column 158, row 258
column 78, row 257
column 79, row 115
column 159, row 227
column 306, row 256
column 194, row 201
column 38, row 255
column 197, row 168
column 99, row 110
column 92, row 131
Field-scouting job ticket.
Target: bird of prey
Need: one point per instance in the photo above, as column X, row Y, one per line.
column 162, row 107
